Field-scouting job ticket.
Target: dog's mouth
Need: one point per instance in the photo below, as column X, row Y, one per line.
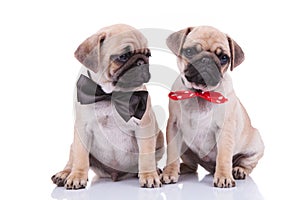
column 133, row 73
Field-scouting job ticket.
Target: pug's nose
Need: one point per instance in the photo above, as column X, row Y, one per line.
column 206, row 60
column 140, row 62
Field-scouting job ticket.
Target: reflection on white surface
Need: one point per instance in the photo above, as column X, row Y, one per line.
column 189, row 187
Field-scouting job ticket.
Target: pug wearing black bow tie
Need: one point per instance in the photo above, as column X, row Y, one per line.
column 115, row 132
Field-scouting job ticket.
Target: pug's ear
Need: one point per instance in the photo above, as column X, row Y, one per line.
column 175, row 40
column 237, row 54
column 88, row 52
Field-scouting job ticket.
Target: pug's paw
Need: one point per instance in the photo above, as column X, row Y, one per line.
column 239, row 173
column 76, row 180
column 170, row 174
column 223, row 181
column 149, row 180
column 60, row 177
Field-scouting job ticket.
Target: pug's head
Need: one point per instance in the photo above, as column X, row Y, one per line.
column 204, row 55
column 118, row 57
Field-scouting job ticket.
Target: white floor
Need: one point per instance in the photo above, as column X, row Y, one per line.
column 190, row 187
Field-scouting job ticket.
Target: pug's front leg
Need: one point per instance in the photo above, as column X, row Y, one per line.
column 223, row 175
column 148, row 176
column 77, row 179
column 174, row 141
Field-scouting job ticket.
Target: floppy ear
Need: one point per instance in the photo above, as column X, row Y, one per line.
column 176, row 40
column 88, row 52
column 237, row 54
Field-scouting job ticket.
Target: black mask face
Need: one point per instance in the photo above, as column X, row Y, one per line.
column 133, row 73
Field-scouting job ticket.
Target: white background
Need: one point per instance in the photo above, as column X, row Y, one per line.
column 39, row 71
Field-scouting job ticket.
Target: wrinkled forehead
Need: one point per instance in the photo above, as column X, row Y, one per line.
column 121, row 42
column 207, row 38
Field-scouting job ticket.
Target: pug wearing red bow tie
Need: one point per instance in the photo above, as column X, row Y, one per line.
column 207, row 123
column 115, row 132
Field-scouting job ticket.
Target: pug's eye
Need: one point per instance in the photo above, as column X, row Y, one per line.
column 189, row 52
column 224, row 59
column 124, row 57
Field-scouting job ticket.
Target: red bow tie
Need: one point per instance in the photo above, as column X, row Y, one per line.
column 214, row 97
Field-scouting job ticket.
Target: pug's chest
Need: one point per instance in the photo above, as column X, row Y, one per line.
column 110, row 132
column 108, row 118
column 200, row 127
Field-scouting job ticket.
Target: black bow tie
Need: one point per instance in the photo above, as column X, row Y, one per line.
column 127, row 104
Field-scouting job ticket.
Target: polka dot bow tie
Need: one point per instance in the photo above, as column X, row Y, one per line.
column 214, row 97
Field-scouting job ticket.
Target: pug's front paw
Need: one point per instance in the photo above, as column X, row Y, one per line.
column 76, row 180
column 149, row 180
column 223, row 181
column 170, row 174
column 60, row 177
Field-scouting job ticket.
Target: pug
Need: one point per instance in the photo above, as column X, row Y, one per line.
column 115, row 131
column 207, row 123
